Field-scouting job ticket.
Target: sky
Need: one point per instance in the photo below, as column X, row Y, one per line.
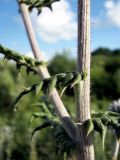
column 57, row 31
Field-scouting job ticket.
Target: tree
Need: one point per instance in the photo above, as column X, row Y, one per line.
column 71, row 137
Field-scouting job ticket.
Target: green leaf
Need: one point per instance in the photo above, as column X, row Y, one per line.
column 101, row 128
column 14, row 103
column 52, row 84
column 105, row 120
column 98, row 114
column 60, row 77
column 112, row 114
column 38, row 88
column 84, row 75
column 23, row 93
column 63, row 90
column 103, row 134
column 37, row 115
column 114, row 122
column 68, row 78
column 45, row 85
column 66, row 82
column 89, row 126
column 76, row 80
column 18, row 66
column 44, row 107
column 42, row 126
column 31, row 119
column 28, row 70
column 4, row 60
column 21, row 60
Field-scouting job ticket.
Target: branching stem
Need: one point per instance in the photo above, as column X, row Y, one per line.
column 60, row 108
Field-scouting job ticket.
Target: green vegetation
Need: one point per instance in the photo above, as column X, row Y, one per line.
column 15, row 131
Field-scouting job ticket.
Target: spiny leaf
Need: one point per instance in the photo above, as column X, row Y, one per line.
column 69, row 76
column 42, row 126
column 38, row 88
column 63, row 90
column 114, row 114
column 4, row 60
column 63, row 141
column 48, row 84
column 40, row 63
column 84, row 75
column 47, row 107
column 66, row 82
column 97, row 124
column 21, row 60
column 76, row 79
column 105, row 120
column 43, row 106
column 38, row 4
column 37, row 115
column 18, row 66
column 23, row 93
column 103, row 134
column 28, row 71
column 31, row 119
column 45, row 113
column 14, row 103
column 114, row 122
column 101, row 128
column 52, row 84
column 98, row 114
column 89, row 126
column 60, row 77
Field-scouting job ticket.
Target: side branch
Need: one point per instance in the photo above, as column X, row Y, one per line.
column 60, row 108
column 21, row 60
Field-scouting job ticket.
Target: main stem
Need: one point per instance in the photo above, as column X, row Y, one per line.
column 54, row 97
column 86, row 151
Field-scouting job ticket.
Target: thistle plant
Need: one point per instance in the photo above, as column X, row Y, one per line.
column 65, row 145
column 72, row 136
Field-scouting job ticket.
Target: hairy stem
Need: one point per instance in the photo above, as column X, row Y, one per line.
column 86, row 151
column 60, row 108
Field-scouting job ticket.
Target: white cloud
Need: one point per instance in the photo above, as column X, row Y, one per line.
column 57, row 25
column 111, row 16
column 113, row 12
column 109, row 4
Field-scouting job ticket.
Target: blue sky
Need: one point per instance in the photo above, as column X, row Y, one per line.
column 58, row 30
